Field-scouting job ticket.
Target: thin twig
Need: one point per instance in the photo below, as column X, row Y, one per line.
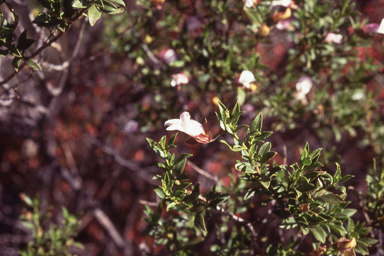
column 235, row 218
column 143, row 202
column 77, row 181
column 240, row 220
column 150, row 54
column 202, row 172
column 107, row 224
column 118, row 158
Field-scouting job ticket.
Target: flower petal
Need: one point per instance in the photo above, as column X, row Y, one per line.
column 171, row 122
column 194, row 128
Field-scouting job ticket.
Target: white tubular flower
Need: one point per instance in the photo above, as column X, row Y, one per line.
column 380, row 30
column 190, row 127
column 303, row 87
column 179, row 79
column 334, row 38
column 246, row 78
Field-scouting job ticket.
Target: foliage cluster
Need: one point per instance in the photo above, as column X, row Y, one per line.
column 299, row 198
column 210, row 44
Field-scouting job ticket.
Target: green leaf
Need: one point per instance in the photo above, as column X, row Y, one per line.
column 180, row 162
column 199, row 222
column 349, row 212
column 119, row 2
column 177, row 63
column 159, row 191
column 267, row 156
column 23, row 42
column 226, row 143
column 3, row 53
column 221, row 199
column 304, row 154
column 241, row 96
column 78, row 4
column 16, row 63
column 263, row 135
column 250, row 194
column 194, row 195
column 361, row 249
column 306, row 161
column 266, row 147
column 315, row 153
column 257, row 123
column 288, row 223
column 304, row 186
column 305, row 229
column 235, row 114
column 28, row 225
column 339, row 230
column 78, row 245
column 46, row 20
column 15, row 52
column 93, row 15
column 265, row 183
column 32, row 64
column 319, row 233
column 330, row 198
column 170, row 205
column 65, row 212
column 171, row 141
column 163, row 141
column 117, row 11
column 346, row 177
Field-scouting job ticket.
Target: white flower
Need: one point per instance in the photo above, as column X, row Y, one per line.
column 187, row 125
column 249, row 3
column 380, row 30
column 246, row 78
column 168, row 56
column 358, row 95
column 334, row 38
column 303, row 87
column 304, row 84
column 285, row 3
column 179, row 79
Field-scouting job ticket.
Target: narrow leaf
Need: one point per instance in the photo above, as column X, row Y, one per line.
column 257, row 123
column 32, row 64
column 119, row 2
column 199, row 222
column 330, row 198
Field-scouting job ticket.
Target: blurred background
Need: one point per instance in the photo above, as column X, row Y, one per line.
column 74, row 134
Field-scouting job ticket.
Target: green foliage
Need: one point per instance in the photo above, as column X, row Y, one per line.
column 49, row 239
column 59, row 15
column 9, row 47
column 374, row 203
column 301, row 198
